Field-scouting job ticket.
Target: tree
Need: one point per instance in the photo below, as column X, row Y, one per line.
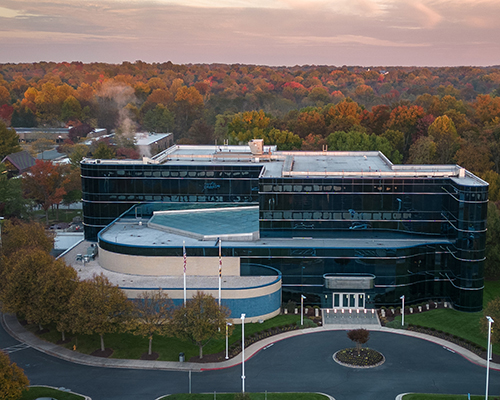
column 201, row 320
column 104, row 151
column 152, row 315
column 492, row 263
column 9, row 141
column 423, row 151
column 77, row 153
column 44, row 183
column 188, row 105
column 99, row 307
column 159, row 119
column 23, row 283
column 359, row 336
column 444, row 134
column 13, row 382
column 25, row 235
column 71, row 109
column 12, row 202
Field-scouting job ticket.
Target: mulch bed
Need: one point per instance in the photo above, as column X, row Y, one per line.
column 105, row 354
column 153, row 356
column 221, row 356
column 364, row 358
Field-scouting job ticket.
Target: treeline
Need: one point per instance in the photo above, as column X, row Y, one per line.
column 46, row 291
column 413, row 115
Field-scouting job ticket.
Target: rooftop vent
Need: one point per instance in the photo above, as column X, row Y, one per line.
column 256, row 146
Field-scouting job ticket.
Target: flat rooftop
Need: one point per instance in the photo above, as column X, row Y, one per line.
column 307, row 164
column 134, row 232
column 145, row 282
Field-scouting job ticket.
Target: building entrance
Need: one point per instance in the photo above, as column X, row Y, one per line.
column 348, row 300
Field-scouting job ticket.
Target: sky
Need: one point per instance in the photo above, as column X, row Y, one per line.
column 264, row 32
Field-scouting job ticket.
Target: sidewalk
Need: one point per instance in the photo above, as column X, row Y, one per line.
column 15, row 329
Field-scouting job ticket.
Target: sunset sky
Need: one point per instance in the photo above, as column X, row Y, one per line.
column 270, row 32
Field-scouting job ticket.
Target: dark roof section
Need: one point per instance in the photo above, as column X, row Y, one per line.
column 22, row 160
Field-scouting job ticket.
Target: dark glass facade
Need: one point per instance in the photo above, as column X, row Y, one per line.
column 442, row 221
column 108, row 189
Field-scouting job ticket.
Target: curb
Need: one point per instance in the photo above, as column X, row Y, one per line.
column 14, row 328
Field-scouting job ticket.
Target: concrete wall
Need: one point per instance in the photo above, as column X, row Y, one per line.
column 158, row 266
column 258, row 303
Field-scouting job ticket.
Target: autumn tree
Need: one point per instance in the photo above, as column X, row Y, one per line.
column 44, row 183
column 152, row 315
column 159, row 119
column 37, row 286
column 359, row 336
column 405, row 119
column 201, row 320
column 444, row 134
column 9, row 141
column 492, row 263
column 188, row 106
column 25, row 235
column 344, row 116
column 71, row 109
column 13, row 381
column 97, row 306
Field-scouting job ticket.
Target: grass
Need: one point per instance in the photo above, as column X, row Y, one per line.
column 428, row 396
column 461, row 324
column 35, row 392
column 252, row 396
column 65, row 215
column 128, row 346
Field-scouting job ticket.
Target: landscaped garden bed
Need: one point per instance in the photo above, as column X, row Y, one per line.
column 364, row 358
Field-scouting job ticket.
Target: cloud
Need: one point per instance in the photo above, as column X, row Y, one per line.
column 262, row 31
column 429, row 17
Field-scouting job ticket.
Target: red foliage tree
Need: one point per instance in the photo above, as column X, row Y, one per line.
column 44, row 183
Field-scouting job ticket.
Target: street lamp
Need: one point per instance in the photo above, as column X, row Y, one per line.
column 243, row 353
column 302, row 297
column 403, row 310
column 1, row 219
column 490, row 321
column 228, row 324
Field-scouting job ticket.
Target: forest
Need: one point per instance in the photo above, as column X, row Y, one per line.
column 413, row 115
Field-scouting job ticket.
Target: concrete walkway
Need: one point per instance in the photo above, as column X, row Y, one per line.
column 16, row 330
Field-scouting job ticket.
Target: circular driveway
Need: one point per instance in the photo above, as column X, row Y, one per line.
column 302, row 363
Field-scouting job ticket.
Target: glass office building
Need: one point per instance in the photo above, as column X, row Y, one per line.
column 347, row 229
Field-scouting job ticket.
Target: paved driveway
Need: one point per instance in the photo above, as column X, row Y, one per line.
column 302, row 363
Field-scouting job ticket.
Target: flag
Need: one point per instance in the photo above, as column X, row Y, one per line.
column 220, row 259
column 184, row 254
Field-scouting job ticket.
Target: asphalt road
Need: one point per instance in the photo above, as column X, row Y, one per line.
column 302, row 363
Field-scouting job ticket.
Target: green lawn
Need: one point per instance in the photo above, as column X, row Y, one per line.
column 35, row 392
column 427, row 396
column 65, row 215
column 253, row 396
column 464, row 325
column 128, row 346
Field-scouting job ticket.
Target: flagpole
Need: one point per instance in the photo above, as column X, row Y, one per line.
column 184, row 255
column 220, row 272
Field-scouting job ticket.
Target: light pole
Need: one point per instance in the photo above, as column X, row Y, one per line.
column 403, row 311
column 243, row 353
column 302, row 297
column 228, row 324
column 1, row 218
column 490, row 321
